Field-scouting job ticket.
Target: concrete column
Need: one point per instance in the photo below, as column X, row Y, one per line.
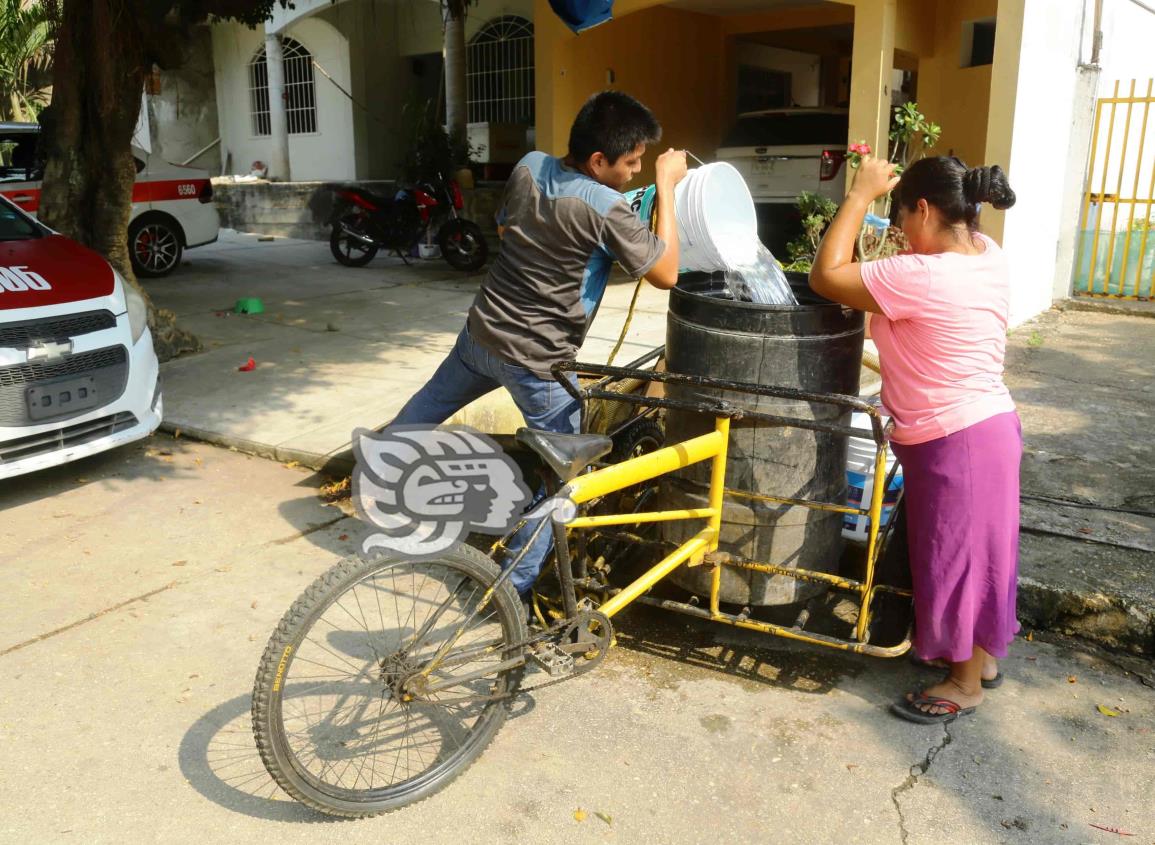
column 1004, row 98
column 872, row 60
column 1078, row 162
column 454, row 58
column 278, row 122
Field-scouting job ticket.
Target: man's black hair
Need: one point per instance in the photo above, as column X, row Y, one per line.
column 613, row 124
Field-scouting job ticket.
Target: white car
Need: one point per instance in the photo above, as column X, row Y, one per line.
column 172, row 206
column 783, row 152
column 78, row 374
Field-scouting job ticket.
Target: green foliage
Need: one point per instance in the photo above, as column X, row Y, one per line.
column 911, row 132
column 430, row 151
column 25, row 57
column 817, row 211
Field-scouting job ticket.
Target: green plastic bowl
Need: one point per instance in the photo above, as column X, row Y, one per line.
column 249, row 305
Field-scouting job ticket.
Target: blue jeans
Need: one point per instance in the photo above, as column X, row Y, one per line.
column 471, row 371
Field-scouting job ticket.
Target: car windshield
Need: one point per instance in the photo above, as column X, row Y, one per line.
column 780, row 130
column 18, row 157
column 14, row 226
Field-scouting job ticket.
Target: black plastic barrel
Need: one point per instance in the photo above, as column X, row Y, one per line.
column 814, row 346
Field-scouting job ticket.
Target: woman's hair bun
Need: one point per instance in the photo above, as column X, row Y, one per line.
column 988, row 184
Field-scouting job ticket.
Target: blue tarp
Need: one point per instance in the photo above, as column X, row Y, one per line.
column 580, row 15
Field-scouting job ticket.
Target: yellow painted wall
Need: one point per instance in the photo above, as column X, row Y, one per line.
column 679, row 64
column 957, row 98
column 802, row 17
column 671, row 60
column 914, row 27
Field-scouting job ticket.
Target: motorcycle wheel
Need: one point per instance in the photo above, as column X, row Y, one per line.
column 463, row 245
column 347, row 250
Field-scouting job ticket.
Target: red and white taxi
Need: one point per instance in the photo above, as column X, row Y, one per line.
column 172, row 206
column 78, row 373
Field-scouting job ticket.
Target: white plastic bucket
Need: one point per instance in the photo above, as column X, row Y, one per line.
column 860, row 455
column 717, row 225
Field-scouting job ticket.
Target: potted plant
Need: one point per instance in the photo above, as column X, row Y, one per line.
column 816, row 211
column 431, row 152
column 911, row 136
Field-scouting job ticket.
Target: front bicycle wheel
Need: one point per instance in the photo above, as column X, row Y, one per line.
column 349, row 717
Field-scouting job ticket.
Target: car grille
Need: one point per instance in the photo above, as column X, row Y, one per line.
column 61, row 438
column 22, row 335
column 108, row 366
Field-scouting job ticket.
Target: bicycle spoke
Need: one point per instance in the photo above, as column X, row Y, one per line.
column 347, row 718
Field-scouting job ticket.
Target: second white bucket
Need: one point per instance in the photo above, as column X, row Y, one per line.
column 860, row 455
column 717, row 226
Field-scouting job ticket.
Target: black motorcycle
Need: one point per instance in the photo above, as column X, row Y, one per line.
column 364, row 222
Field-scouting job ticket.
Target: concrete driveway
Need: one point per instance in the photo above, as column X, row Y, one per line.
column 337, row 347
column 141, row 586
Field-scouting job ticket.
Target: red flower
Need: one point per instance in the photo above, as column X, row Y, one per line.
column 860, row 148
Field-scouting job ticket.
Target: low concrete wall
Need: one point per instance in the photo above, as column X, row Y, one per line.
column 301, row 209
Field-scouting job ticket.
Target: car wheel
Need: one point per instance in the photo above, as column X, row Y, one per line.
column 155, row 246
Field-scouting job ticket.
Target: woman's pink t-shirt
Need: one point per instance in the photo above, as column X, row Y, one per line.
column 942, row 340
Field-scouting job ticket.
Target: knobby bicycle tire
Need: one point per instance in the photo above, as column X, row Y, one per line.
column 337, row 589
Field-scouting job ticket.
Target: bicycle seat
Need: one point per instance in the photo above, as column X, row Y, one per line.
column 566, row 454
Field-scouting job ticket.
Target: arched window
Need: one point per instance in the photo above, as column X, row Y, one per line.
column 300, row 90
column 500, row 72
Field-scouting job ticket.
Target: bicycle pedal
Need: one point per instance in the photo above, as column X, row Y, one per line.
column 555, row 662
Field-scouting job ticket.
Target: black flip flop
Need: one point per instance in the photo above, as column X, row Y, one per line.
column 911, row 711
column 995, row 682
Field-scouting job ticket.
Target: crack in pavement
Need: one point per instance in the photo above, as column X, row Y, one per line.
column 1130, row 671
column 916, row 771
column 146, row 596
column 305, row 532
column 89, row 618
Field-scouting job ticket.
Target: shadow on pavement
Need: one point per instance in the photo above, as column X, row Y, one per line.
column 218, row 756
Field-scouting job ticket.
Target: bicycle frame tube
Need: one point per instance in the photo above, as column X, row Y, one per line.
column 710, row 446
column 702, row 547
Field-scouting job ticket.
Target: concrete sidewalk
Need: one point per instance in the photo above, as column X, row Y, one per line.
column 1083, row 383
column 339, row 347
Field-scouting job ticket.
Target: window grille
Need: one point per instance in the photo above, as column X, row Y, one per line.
column 499, row 75
column 300, row 90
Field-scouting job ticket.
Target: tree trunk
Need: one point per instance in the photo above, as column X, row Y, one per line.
column 456, row 97
column 89, row 172
column 278, row 120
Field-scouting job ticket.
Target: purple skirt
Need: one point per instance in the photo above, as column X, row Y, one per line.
column 962, row 509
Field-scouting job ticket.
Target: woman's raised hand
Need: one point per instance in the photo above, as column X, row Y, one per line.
column 875, row 178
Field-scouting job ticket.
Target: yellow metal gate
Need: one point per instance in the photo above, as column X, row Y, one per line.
column 1115, row 257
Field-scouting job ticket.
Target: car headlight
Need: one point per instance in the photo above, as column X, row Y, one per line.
column 137, row 310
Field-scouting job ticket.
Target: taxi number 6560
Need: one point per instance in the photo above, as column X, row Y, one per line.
column 186, row 190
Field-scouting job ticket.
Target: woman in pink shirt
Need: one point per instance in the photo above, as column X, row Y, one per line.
column 939, row 317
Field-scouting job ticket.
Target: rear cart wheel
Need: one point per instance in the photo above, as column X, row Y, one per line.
column 620, row 553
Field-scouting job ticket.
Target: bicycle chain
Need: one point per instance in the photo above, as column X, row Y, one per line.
column 564, row 626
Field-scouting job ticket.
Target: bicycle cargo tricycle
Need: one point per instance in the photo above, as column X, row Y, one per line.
column 390, row 675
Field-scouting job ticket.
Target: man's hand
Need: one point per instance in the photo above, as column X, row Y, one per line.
column 670, row 168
